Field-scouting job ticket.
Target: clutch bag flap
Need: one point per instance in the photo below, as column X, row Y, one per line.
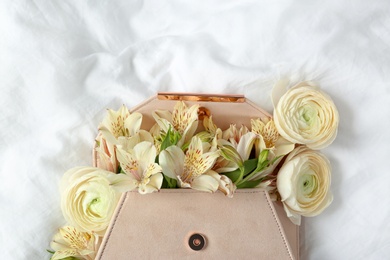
column 161, row 226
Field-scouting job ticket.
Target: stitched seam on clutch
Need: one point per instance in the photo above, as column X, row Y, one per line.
column 169, row 191
column 279, row 227
column 113, row 225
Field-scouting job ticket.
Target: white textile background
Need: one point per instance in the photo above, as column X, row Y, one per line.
column 62, row 63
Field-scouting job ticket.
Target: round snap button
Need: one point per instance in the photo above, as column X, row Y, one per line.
column 197, row 242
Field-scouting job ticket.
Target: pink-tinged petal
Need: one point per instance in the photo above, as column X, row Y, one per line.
column 225, row 185
column 128, row 162
column 106, row 133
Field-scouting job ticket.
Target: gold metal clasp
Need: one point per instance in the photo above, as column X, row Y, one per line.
column 201, row 97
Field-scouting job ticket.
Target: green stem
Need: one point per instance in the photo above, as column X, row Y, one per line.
column 242, row 180
column 239, row 179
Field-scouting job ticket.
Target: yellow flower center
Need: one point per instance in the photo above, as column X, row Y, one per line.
column 76, row 239
column 267, row 130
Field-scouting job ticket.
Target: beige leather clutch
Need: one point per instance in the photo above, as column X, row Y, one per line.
column 188, row 224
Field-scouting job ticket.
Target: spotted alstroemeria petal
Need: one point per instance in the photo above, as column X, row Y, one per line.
column 145, row 152
column 128, row 162
column 139, row 166
column 163, row 119
column 195, row 162
column 183, row 116
column 152, row 169
column 70, row 242
column 61, row 254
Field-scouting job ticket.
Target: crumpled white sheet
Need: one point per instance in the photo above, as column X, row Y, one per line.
column 62, row 63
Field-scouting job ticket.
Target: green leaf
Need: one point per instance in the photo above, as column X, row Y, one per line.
column 249, row 166
column 169, row 182
column 164, row 184
column 263, row 161
column 234, row 175
column 249, row 184
column 172, row 137
column 263, row 156
column 166, row 142
column 51, row 252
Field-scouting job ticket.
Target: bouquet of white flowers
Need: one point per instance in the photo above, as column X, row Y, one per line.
column 186, row 149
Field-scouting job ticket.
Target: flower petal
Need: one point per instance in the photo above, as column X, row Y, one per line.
column 205, row 183
column 172, row 161
column 123, row 182
column 163, row 119
column 61, row 254
column 245, row 145
column 145, row 153
column 132, row 123
column 279, row 89
column 128, row 162
column 283, row 147
column 154, row 184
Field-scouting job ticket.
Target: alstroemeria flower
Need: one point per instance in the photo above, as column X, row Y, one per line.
column 88, row 198
column 191, row 169
column 120, row 123
column 269, row 137
column 212, row 128
column 226, row 186
column 183, row 120
column 141, row 171
column 303, row 183
column 70, row 242
column 234, row 134
column 105, row 157
column 118, row 128
column 305, row 115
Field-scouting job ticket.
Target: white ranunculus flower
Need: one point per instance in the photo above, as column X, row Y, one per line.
column 303, row 183
column 305, row 115
column 89, row 198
